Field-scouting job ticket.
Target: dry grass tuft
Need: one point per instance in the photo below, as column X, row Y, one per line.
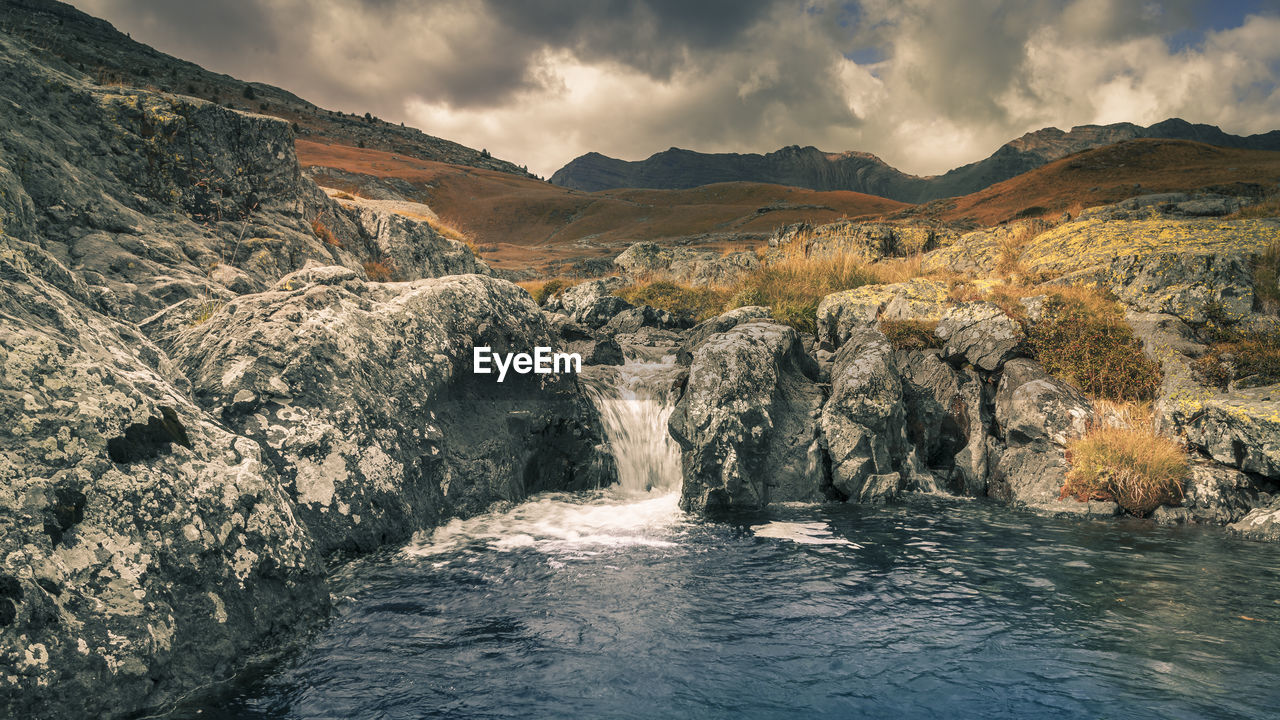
column 543, row 290
column 323, row 232
column 699, row 303
column 452, row 231
column 910, row 334
column 1133, row 466
column 380, row 270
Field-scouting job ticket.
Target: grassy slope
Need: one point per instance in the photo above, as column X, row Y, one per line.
column 1110, row 174
column 528, row 220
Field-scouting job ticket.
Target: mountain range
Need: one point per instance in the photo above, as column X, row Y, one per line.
column 809, row 167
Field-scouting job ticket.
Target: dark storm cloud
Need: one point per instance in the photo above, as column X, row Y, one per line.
column 926, row 84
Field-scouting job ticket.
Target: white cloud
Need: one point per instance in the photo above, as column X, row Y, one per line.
column 951, row 80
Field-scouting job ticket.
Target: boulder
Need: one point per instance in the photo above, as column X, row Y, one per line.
column 632, row 319
column 843, row 313
column 1037, row 415
column 1214, row 495
column 146, row 548
column 718, row 324
column 1240, row 429
column 747, row 423
column 1262, row 523
column 866, row 241
column 591, row 303
column 864, row 423
column 650, row 260
column 365, row 395
column 595, row 348
column 981, row 334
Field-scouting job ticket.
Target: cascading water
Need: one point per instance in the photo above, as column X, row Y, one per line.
column 635, row 400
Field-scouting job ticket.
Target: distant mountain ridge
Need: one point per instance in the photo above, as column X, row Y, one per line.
column 809, row 167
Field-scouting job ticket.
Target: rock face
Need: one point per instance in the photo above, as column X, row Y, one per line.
column 948, row 419
column 981, row 334
column 1037, row 416
column 404, row 240
column 864, row 423
column 145, row 544
column 204, row 396
column 365, row 398
column 1240, row 429
column 747, row 422
column 1176, row 267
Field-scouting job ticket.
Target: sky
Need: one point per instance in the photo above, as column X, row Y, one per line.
column 927, row 85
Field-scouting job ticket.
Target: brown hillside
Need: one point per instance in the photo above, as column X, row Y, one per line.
column 519, row 221
column 1110, row 174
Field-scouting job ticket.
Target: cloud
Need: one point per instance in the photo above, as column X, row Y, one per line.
column 931, row 84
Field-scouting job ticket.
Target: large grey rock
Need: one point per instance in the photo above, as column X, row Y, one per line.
column 747, row 423
column 591, row 303
column 365, row 396
column 844, row 313
column 718, row 324
column 1037, row 415
column 147, row 549
column 1214, row 495
column 594, row 347
column 1261, row 524
column 980, row 333
column 948, row 419
column 649, row 260
column 1240, row 429
column 864, row 422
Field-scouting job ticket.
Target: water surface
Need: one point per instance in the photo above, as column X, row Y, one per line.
column 617, row 605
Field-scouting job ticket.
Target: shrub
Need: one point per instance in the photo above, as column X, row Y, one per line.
column 699, row 303
column 1132, row 466
column 1083, row 338
column 910, row 334
column 379, row 270
column 1237, row 355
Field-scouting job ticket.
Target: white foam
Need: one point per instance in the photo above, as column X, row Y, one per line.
column 810, row 533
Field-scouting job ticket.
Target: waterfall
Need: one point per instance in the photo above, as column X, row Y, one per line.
column 635, row 401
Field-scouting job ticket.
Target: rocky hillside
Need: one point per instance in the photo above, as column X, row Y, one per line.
column 209, row 398
column 980, row 374
column 58, row 31
column 811, row 168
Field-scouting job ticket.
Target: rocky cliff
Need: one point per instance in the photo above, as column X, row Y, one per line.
column 57, row 31
column 206, row 399
column 811, row 168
